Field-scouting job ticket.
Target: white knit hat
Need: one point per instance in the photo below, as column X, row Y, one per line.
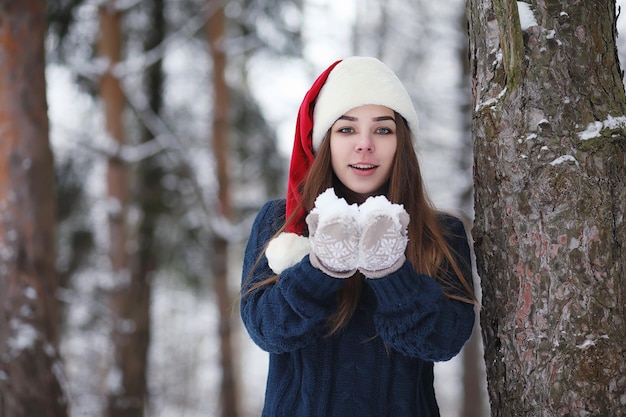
column 357, row 81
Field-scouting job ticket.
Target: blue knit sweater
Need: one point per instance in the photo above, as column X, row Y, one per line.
column 381, row 363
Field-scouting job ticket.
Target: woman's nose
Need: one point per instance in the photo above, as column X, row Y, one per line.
column 364, row 143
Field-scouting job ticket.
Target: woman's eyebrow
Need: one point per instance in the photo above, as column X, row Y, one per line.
column 382, row 118
column 376, row 119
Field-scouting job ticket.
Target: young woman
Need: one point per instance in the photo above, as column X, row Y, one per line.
column 355, row 284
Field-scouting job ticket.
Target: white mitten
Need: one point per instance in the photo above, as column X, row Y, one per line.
column 383, row 237
column 334, row 235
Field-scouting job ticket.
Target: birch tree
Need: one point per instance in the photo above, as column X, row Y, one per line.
column 549, row 136
column 29, row 311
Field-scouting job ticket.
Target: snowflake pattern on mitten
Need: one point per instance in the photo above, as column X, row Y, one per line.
column 334, row 235
column 383, row 237
column 335, row 244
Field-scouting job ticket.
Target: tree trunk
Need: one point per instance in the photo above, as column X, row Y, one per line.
column 550, row 196
column 474, row 376
column 149, row 194
column 126, row 382
column 29, row 311
column 229, row 395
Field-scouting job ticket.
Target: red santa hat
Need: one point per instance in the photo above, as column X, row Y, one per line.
column 345, row 85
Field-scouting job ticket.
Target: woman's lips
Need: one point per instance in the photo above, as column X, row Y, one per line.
column 363, row 168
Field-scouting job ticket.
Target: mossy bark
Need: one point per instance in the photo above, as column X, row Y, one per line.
column 550, row 196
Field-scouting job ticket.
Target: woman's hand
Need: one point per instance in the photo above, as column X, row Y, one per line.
column 371, row 238
column 383, row 237
column 334, row 235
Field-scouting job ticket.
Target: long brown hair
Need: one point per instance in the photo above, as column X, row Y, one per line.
column 427, row 249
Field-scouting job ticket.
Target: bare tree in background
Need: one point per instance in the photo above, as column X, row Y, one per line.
column 150, row 201
column 29, row 311
column 550, row 182
column 128, row 298
column 216, row 33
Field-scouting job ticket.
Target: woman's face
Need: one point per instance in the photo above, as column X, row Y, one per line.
column 363, row 144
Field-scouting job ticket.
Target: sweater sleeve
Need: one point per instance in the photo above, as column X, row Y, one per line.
column 415, row 317
column 291, row 313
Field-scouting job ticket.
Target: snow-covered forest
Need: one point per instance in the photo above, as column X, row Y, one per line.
column 273, row 50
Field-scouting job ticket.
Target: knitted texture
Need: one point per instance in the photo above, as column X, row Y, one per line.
column 345, row 237
column 380, row 364
column 334, row 235
column 383, row 237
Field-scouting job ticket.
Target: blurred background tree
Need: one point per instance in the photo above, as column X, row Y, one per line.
column 148, row 166
column 30, row 381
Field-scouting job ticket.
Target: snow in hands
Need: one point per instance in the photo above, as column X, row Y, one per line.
column 334, row 235
column 371, row 237
column 383, row 236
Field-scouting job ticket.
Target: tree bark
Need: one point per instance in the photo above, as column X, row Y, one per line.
column 29, row 311
column 550, row 194
column 474, row 376
column 126, row 381
column 229, row 393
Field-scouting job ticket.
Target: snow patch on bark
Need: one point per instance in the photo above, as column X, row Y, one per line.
column 594, row 129
column 490, row 102
column 526, row 16
column 564, row 158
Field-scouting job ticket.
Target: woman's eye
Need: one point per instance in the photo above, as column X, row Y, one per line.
column 345, row 130
column 384, row 131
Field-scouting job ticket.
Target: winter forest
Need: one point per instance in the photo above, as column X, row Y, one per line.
column 166, row 124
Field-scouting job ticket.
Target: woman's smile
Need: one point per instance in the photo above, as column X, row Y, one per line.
column 364, row 169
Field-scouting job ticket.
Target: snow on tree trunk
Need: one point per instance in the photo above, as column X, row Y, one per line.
column 550, row 195
column 29, row 311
